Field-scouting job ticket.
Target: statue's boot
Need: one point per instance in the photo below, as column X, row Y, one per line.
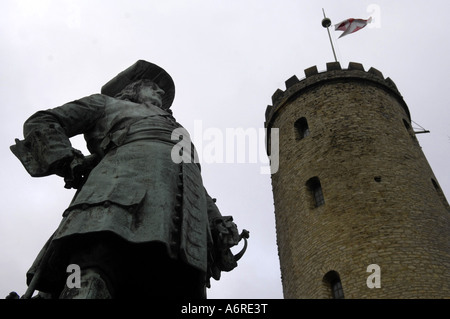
column 93, row 286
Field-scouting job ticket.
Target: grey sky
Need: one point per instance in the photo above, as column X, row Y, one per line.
column 226, row 58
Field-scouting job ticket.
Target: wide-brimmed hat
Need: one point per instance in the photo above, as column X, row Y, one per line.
column 138, row 71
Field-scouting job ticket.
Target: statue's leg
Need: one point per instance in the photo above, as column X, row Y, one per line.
column 93, row 286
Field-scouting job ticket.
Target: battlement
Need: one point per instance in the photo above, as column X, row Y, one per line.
column 333, row 73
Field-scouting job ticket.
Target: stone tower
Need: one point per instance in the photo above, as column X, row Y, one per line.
column 359, row 212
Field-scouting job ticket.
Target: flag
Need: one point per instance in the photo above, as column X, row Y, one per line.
column 351, row 25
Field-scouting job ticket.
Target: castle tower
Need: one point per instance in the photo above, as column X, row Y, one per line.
column 353, row 189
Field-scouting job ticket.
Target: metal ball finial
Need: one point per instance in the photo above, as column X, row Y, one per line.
column 326, row 22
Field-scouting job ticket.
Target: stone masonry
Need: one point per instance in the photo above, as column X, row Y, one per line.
column 382, row 203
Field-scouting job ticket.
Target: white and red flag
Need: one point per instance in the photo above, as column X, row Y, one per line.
column 351, row 25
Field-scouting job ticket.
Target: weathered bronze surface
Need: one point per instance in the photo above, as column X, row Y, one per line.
column 141, row 223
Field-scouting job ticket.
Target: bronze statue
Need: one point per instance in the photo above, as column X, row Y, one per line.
column 140, row 224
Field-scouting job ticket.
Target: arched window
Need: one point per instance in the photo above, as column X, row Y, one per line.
column 315, row 188
column 435, row 184
column 440, row 193
column 406, row 124
column 334, row 283
column 301, row 128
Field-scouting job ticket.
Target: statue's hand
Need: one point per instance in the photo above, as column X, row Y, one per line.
column 78, row 170
column 225, row 235
column 225, row 232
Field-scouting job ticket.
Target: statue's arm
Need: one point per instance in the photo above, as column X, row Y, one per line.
column 70, row 119
column 46, row 148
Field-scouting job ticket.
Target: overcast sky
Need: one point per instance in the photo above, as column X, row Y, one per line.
column 227, row 58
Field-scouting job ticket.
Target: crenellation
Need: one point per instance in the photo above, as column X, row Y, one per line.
column 376, row 72
column 356, row 66
column 333, row 66
column 311, row 71
column 291, row 81
column 391, row 84
column 334, row 72
column 277, row 96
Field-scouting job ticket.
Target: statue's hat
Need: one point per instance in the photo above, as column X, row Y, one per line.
column 138, row 71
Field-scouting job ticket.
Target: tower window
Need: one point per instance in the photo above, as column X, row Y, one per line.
column 406, row 124
column 301, row 128
column 435, row 184
column 440, row 193
column 334, row 283
column 315, row 188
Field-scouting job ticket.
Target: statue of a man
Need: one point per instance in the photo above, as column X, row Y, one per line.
column 140, row 223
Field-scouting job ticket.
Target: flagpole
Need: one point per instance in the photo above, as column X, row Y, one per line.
column 326, row 22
